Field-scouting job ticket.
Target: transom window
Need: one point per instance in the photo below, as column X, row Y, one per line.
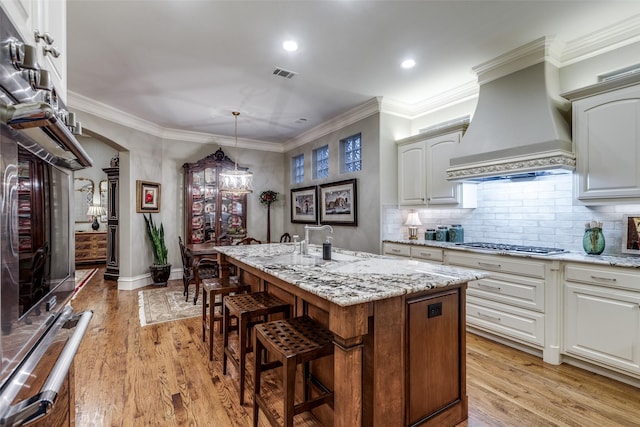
column 351, row 155
column 321, row 162
column 297, row 169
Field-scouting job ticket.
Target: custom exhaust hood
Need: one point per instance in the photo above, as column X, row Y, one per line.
column 521, row 123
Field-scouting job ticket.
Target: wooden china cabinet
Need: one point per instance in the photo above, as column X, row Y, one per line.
column 209, row 213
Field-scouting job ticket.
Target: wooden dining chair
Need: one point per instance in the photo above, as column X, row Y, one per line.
column 285, row 238
column 187, row 268
column 249, row 241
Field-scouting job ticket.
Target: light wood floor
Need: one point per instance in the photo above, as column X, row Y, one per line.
column 160, row 375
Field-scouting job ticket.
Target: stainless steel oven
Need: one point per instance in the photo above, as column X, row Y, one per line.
column 38, row 154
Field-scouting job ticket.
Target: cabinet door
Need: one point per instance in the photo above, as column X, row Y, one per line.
column 52, row 19
column 411, row 174
column 21, row 13
column 603, row 325
column 439, row 151
column 434, row 357
column 607, row 138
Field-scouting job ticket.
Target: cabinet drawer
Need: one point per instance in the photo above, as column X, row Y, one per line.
column 84, row 254
column 603, row 276
column 519, row 291
column 511, row 322
column 397, row 249
column 80, row 246
column 504, row 264
column 426, row 253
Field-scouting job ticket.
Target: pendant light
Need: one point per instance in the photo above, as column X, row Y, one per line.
column 236, row 182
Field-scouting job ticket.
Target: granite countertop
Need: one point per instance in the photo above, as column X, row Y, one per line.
column 626, row 261
column 349, row 278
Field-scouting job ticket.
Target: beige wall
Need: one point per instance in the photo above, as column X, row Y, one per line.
column 366, row 236
column 147, row 157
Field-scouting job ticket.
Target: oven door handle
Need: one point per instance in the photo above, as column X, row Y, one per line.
column 40, row 404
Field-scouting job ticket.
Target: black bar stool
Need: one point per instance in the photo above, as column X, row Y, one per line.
column 250, row 309
column 291, row 342
column 210, row 289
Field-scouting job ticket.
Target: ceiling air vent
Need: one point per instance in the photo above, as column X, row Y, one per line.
column 284, row 73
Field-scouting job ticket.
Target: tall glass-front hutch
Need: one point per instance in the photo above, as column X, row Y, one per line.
column 209, row 213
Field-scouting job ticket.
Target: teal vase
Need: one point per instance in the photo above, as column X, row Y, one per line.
column 593, row 241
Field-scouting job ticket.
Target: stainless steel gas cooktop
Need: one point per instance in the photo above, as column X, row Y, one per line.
column 511, row 248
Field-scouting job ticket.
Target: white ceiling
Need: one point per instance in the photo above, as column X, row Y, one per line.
column 187, row 64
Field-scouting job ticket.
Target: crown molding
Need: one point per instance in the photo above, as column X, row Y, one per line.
column 446, row 99
column 604, row 40
column 349, row 117
column 81, row 103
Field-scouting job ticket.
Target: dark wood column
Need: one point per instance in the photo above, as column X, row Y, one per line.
column 112, row 271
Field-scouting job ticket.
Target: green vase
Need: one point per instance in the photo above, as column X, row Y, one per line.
column 593, row 241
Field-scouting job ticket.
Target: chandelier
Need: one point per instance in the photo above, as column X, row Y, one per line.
column 236, row 182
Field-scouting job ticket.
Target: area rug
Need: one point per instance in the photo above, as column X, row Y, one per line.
column 166, row 304
column 82, row 278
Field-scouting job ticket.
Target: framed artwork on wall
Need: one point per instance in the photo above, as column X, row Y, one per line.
column 338, row 203
column 304, row 205
column 631, row 234
column 147, row 196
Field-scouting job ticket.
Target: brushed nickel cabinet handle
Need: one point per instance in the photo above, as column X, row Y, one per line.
column 487, row 264
column 604, row 279
column 488, row 317
column 426, row 254
column 493, row 288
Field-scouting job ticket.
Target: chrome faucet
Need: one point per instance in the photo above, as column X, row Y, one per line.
column 307, row 228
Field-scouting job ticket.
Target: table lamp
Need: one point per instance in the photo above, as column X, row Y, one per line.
column 95, row 211
column 413, row 220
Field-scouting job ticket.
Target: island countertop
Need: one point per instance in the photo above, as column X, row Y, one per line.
column 350, row 277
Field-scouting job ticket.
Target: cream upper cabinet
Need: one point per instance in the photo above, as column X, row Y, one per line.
column 422, row 163
column 412, row 186
column 606, row 133
column 52, row 53
column 439, row 150
column 22, row 14
column 49, row 19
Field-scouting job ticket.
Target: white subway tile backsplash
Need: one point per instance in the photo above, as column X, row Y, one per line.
column 541, row 212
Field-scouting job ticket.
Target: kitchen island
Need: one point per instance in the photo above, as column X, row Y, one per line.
column 398, row 329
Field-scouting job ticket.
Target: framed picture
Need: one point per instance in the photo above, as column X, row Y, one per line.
column 147, row 196
column 304, row 205
column 338, row 203
column 631, row 234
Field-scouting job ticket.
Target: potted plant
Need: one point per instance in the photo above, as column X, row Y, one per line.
column 160, row 269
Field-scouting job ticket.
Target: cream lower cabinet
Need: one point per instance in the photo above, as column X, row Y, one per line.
column 518, row 302
column 602, row 316
column 423, row 253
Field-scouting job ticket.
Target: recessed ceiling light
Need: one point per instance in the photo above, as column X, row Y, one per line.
column 290, row 46
column 408, row 63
